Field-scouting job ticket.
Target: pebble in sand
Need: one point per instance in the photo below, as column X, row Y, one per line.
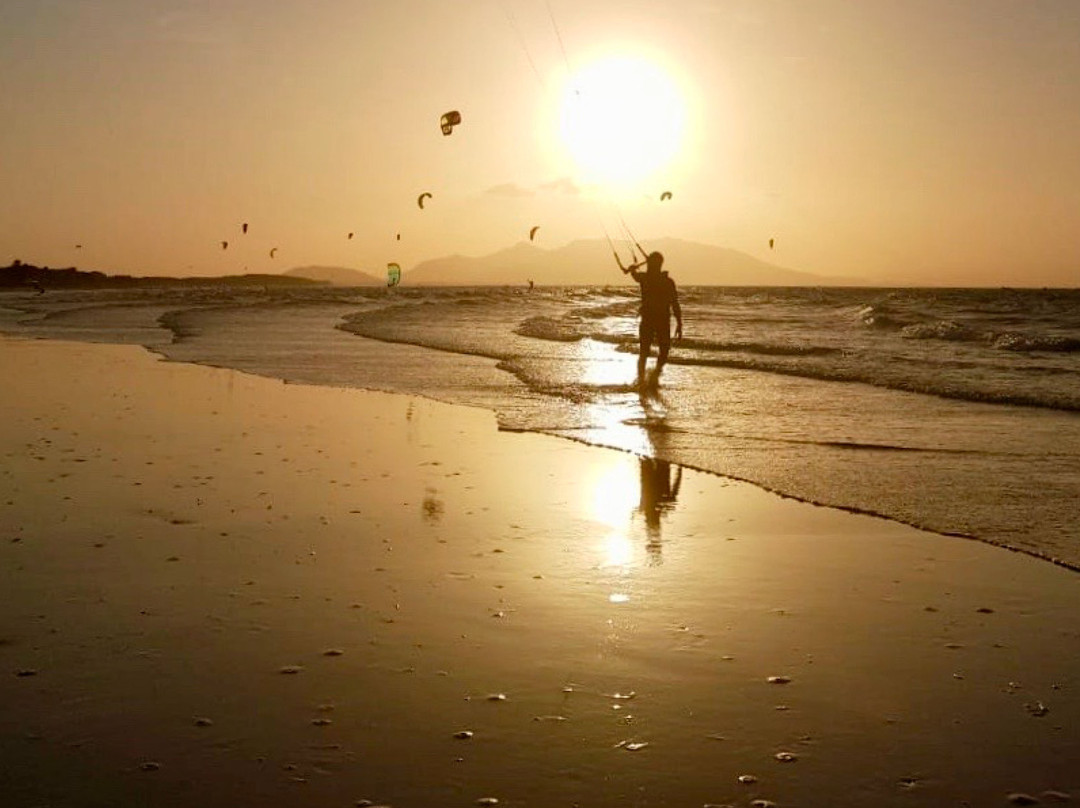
column 1038, row 709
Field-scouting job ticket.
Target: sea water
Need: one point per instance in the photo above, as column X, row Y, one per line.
column 957, row 411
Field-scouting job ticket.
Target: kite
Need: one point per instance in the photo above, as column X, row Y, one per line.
column 771, row 243
column 393, row 274
column 243, row 227
column 665, row 195
column 224, row 245
column 272, row 251
column 350, row 235
column 532, row 232
column 398, row 237
column 420, row 199
column 448, row 121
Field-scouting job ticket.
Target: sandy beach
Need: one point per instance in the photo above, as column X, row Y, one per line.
column 223, row 590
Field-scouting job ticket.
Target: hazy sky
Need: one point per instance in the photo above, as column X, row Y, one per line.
column 909, row 140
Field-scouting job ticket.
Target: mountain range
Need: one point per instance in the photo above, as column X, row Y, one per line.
column 336, row 276
column 584, row 263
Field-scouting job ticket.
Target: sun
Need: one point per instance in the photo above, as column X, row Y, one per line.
column 622, row 120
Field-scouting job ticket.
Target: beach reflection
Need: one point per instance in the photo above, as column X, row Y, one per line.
column 616, row 500
column 659, row 490
column 659, row 486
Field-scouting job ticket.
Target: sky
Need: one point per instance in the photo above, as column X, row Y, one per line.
column 915, row 142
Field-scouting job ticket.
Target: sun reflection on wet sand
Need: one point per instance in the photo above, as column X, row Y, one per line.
column 617, row 550
column 614, row 494
column 601, row 365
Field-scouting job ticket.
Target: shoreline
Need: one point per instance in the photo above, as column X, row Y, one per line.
column 854, row 510
column 1003, row 474
column 337, row 580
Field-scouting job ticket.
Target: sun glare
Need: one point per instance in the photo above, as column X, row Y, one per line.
column 622, row 119
column 613, row 494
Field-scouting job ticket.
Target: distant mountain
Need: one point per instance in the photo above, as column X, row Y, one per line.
column 338, row 276
column 590, row 263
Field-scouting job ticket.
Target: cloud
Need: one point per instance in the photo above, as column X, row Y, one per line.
column 563, row 185
column 509, row 189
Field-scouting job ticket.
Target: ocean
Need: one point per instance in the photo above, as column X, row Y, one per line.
column 953, row 410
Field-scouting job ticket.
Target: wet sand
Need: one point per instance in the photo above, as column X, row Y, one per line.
column 222, row 590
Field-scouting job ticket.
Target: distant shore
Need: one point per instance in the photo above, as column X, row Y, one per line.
column 28, row 276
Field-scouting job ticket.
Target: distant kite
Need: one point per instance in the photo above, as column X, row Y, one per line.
column 532, row 232
column 771, row 243
column 665, row 195
column 224, row 245
column 78, row 246
column 272, row 251
column 448, row 121
column 420, row 199
column 350, row 235
column 393, row 274
column 398, row 237
column 243, row 227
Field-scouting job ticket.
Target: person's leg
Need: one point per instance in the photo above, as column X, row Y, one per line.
column 663, row 342
column 645, row 338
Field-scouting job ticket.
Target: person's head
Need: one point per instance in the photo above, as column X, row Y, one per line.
column 654, row 261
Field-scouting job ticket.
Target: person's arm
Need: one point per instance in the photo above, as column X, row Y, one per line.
column 632, row 270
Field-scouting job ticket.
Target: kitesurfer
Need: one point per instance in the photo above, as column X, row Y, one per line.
column 659, row 300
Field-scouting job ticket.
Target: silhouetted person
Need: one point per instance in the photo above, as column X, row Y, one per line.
column 659, row 300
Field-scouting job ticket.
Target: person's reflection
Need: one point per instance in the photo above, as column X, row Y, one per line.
column 658, row 494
